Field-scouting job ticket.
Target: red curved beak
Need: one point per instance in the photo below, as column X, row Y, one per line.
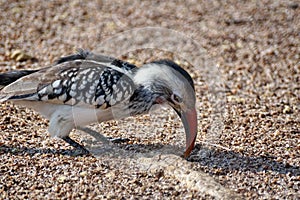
column 189, row 120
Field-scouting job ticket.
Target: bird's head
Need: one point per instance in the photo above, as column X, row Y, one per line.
column 174, row 87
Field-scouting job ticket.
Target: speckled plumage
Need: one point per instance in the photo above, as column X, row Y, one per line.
column 87, row 83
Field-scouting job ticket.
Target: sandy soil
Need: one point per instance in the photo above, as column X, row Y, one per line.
column 245, row 59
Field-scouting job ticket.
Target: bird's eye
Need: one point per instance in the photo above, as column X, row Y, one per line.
column 176, row 99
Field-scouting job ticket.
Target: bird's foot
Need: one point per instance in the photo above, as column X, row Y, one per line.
column 81, row 150
column 118, row 140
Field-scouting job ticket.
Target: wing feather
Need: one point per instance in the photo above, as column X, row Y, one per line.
column 74, row 82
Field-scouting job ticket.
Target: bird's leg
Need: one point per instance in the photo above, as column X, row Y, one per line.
column 76, row 145
column 102, row 138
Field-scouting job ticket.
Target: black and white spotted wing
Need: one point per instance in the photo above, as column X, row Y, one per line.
column 78, row 82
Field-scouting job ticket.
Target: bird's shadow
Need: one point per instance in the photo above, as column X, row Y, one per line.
column 228, row 160
column 205, row 156
column 32, row 151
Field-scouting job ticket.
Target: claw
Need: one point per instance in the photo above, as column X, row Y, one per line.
column 118, row 140
column 76, row 145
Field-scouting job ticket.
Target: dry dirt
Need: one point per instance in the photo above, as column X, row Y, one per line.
column 245, row 59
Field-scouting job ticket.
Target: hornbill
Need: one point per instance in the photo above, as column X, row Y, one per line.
column 83, row 88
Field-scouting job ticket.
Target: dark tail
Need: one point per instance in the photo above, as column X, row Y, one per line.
column 10, row 77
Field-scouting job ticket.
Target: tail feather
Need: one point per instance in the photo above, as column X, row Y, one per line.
column 10, row 77
column 4, row 98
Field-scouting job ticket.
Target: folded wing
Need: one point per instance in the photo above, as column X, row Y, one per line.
column 86, row 82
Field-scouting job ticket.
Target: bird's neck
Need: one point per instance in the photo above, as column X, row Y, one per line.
column 144, row 99
column 149, row 91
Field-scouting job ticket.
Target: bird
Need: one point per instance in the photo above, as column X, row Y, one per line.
column 85, row 87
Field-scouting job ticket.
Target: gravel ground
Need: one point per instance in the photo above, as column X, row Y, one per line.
column 245, row 59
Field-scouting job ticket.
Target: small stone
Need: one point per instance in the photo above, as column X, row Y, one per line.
column 61, row 179
column 134, row 61
column 20, row 55
column 236, row 99
column 23, row 57
column 111, row 26
column 239, row 44
column 294, row 5
column 287, row 109
column 82, row 174
column 15, row 53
